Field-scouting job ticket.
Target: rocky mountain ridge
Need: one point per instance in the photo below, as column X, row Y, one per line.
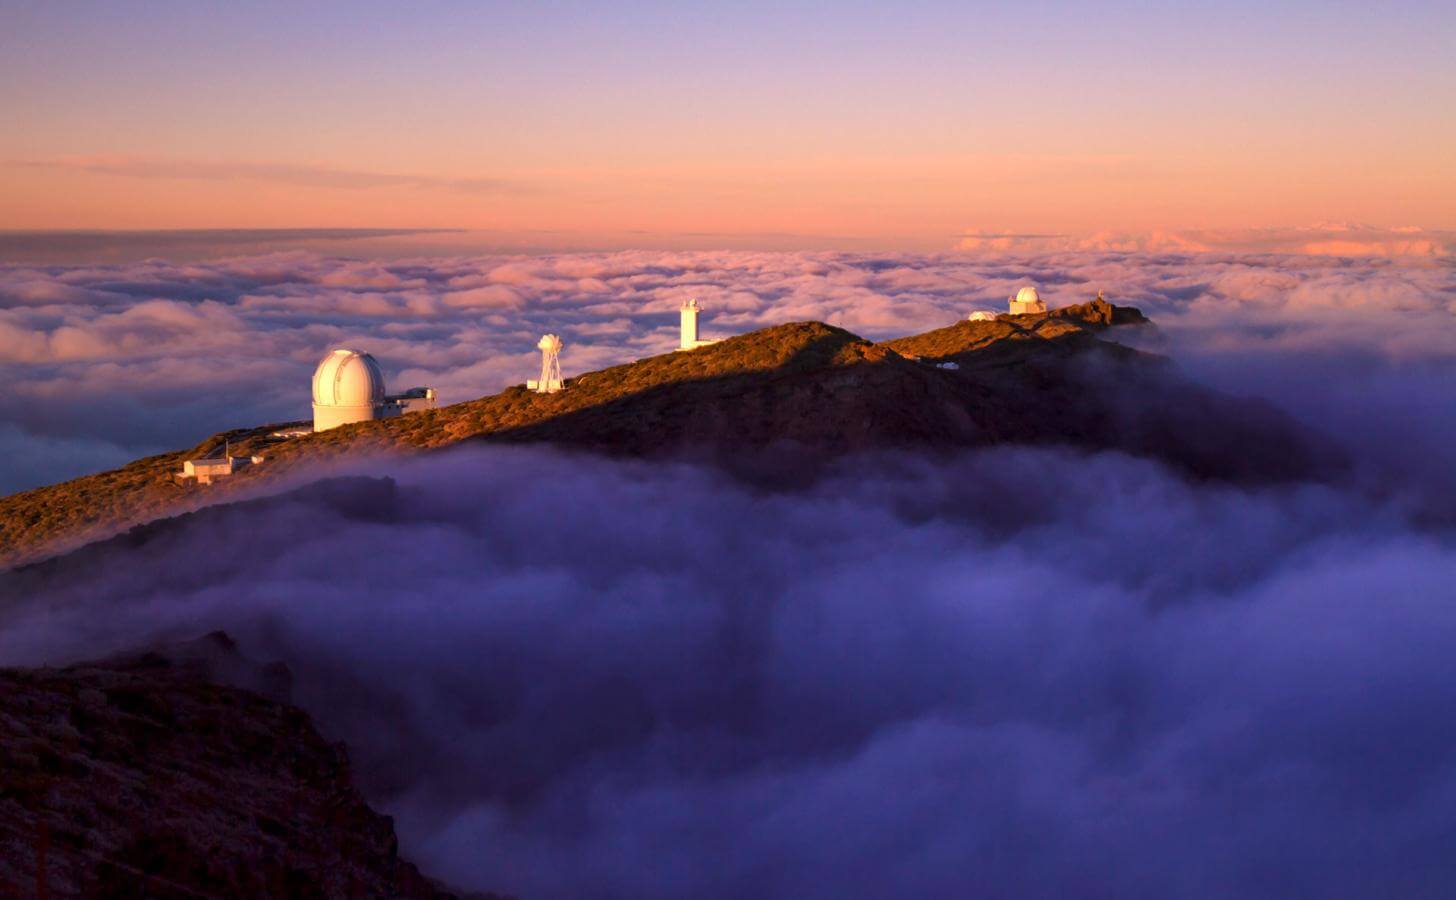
column 773, row 402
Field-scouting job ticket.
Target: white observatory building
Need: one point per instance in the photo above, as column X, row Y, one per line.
column 1027, row 300
column 348, row 386
column 690, row 339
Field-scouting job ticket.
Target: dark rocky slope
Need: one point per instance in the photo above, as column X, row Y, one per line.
column 145, row 776
column 1052, row 379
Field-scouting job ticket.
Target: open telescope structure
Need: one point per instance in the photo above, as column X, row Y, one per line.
column 550, row 381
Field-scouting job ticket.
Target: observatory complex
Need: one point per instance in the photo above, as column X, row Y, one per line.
column 1027, row 301
column 348, row 386
column 690, row 340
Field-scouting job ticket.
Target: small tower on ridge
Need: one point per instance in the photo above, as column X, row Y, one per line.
column 689, row 325
column 550, row 381
column 690, row 339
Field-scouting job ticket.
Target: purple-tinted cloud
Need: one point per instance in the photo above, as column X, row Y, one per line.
column 1016, row 673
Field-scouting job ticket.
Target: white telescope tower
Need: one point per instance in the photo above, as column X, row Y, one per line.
column 690, row 327
column 550, row 381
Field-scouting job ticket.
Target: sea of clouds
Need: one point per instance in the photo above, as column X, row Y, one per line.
column 1016, row 672
column 105, row 363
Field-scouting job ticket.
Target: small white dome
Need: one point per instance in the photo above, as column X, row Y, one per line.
column 348, row 378
column 1028, row 294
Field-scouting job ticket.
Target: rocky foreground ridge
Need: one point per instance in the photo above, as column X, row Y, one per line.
column 771, row 401
column 148, row 776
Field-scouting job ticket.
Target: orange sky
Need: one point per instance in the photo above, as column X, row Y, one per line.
column 907, row 130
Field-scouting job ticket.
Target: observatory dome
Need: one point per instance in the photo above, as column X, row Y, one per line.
column 1027, row 300
column 348, row 386
column 348, row 378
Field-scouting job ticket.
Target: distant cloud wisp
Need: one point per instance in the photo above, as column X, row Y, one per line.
column 1317, row 240
column 299, row 175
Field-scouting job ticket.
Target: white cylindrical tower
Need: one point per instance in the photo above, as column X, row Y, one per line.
column 689, row 325
column 348, row 386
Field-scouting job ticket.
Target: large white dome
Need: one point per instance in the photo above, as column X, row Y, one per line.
column 348, row 378
column 1028, row 294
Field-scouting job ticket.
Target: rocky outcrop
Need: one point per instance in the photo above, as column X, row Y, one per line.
column 145, row 776
column 1054, row 378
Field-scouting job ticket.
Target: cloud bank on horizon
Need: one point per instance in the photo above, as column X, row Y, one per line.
column 104, row 363
column 1338, row 239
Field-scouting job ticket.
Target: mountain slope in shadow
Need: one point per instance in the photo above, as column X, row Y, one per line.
column 156, row 775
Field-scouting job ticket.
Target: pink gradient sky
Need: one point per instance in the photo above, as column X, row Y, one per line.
column 904, row 125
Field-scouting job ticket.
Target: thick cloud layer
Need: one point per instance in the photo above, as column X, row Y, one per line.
column 1018, row 673
column 1013, row 673
column 115, row 361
